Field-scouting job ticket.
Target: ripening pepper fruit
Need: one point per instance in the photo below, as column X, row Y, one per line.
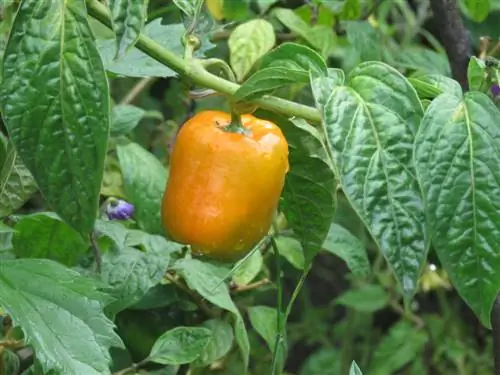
column 224, row 184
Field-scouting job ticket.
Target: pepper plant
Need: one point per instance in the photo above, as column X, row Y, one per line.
column 391, row 169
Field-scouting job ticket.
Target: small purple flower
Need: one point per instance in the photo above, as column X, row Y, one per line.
column 119, row 209
column 495, row 90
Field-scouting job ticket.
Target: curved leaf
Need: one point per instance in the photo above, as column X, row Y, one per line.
column 128, row 21
column 371, row 125
column 55, row 101
column 457, row 153
column 295, row 57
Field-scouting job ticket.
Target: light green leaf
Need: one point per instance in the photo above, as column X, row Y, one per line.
column 202, row 277
column 350, row 249
column 456, row 154
column 477, row 10
column 55, row 104
column 128, row 17
column 263, row 320
column 145, row 179
column 249, row 269
column 189, row 7
column 431, row 86
column 59, row 303
column 45, row 235
column 476, row 73
column 16, row 183
column 365, row 40
column 423, row 60
column 264, row 5
column 291, row 250
column 371, row 124
column 180, row 345
column 219, row 346
column 351, row 10
column 368, row 298
column 355, row 370
column 322, row 87
column 248, row 43
column 131, row 274
column 124, row 118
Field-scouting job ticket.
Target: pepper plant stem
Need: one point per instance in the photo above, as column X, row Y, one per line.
column 195, row 71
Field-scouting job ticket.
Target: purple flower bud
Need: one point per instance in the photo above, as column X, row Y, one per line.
column 119, row 210
column 495, row 89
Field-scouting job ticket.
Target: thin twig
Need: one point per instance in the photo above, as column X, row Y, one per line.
column 97, row 252
column 137, row 89
column 411, row 317
column 251, row 286
column 133, row 367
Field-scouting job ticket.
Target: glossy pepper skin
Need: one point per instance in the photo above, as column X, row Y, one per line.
column 224, row 187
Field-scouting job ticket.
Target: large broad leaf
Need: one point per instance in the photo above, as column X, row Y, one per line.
column 204, row 279
column 322, row 87
column 457, row 153
column 128, row 20
column 248, row 43
column 44, row 235
column 371, row 123
column 16, row 183
column 431, row 86
column 296, row 57
column 61, row 314
column 55, row 103
column 145, row 179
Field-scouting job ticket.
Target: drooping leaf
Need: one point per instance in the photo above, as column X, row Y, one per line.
column 16, row 183
column 431, row 86
column 59, row 303
column 45, row 235
column 55, row 104
column 180, row 345
column 350, row 249
column 368, row 298
column 457, row 153
column 219, row 346
column 371, row 122
column 263, row 320
column 128, row 17
column 124, row 118
column 145, row 179
column 131, row 273
column 248, row 43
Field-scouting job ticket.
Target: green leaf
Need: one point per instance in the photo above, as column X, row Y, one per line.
column 263, row 320
column 264, row 5
column 219, row 346
column 145, row 179
column 355, row 370
column 55, row 101
column 368, row 298
column 59, row 303
column 248, row 43
column 124, row 119
column 136, row 63
column 16, row 183
column 267, row 80
column 431, row 86
column 309, row 192
column 325, row 361
column 322, row 87
column 128, row 17
column 291, row 250
column 476, row 73
column 45, row 235
column 189, row 7
column 423, row 60
column 131, row 274
column 371, row 124
column 249, row 269
column 351, row 10
column 477, row 10
column 202, row 277
column 295, row 57
column 456, row 156
column 399, row 347
column 349, row 248
column 365, row 40
column 180, row 345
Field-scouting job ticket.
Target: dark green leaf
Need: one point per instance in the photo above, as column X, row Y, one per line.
column 180, row 345
column 131, row 274
column 45, row 235
column 477, row 10
column 16, row 183
column 350, row 249
column 325, row 361
column 145, row 179
column 295, row 57
column 267, row 80
column 219, row 346
column 124, row 118
column 322, row 87
column 457, row 153
column 248, row 43
column 371, row 125
column 431, row 86
column 476, row 74
column 368, row 298
column 55, row 101
column 263, row 320
column 58, row 303
column 128, row 21
column 291, row 250
column 9, row 362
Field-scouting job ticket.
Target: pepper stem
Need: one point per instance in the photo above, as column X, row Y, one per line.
column 236, row 126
